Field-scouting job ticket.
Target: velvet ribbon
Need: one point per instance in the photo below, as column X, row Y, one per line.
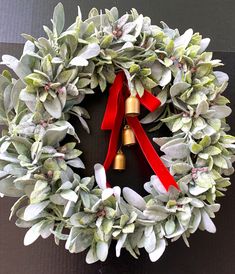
column 113, row 119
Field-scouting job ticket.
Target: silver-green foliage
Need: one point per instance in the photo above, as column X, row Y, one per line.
column 55, row 74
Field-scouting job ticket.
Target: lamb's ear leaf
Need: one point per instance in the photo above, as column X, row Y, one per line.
column 207, row 223
column 157, row 253
column 166, row 78
column 169, row 227
column 53, row 107
column 120, row 244
column 58, row 18
column 20, row 69
column 100, row 176
column 76, row 163
column 79, row 61
column 8, row 188
column 33, row 233
column 221, row 77
column 54, row 135
column 204, row 44
column 102, row 249
column 89, row 51
column 134, row 198
column 91, row 256
column 33, row 210
column 184, row 39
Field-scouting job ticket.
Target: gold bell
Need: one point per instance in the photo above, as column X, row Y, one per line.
column 128, row 136
column 132, row 106
column 119, row 161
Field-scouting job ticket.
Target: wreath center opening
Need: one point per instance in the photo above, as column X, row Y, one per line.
column 94, row 146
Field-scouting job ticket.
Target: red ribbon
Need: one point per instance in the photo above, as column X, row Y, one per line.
column 113, row 118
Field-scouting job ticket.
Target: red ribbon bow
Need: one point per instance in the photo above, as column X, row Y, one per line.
column 113, row 118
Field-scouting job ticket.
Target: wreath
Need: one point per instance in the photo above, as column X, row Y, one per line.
column 172, row 76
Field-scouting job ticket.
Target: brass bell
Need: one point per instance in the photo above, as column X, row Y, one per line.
column 119, row 161
column 128, row 136
column 132, row 106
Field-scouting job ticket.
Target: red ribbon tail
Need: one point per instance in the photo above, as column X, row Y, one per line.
column 151, row 155
column 113, row 141
column 113, row 117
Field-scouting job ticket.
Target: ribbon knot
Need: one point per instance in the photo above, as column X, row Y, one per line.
column 113, row 118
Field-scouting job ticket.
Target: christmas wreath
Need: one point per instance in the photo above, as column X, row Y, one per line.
column 169, row 74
